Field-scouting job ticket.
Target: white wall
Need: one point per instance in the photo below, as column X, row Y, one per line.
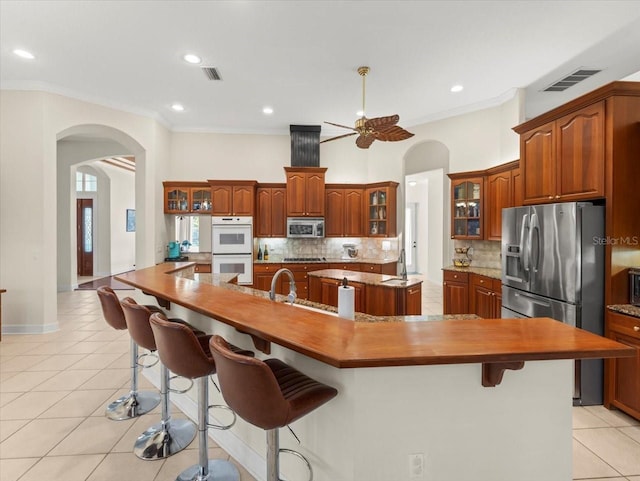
column 122, row 243
column 30, row 125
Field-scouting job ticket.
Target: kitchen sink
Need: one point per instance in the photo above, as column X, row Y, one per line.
column 395, row 282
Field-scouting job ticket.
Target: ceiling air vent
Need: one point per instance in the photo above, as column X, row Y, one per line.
column 572, row 79
column 211, row 73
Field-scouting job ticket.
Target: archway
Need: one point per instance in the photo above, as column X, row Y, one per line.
column 426, row 187
column 84, row 145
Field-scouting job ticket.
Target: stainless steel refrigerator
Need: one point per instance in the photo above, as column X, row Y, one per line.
column 553, row 266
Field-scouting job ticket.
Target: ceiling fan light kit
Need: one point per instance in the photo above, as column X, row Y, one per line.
column 378, row 128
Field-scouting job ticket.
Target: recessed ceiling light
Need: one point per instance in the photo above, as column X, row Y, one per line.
column 191, row 58
column 413, row 183
column 457, row 88
column 24, row 54
column 178, row 107
column 267, row 110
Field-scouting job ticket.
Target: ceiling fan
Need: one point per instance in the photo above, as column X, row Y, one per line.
column 378, row 128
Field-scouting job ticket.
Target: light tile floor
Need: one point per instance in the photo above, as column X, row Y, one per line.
column 54, row 389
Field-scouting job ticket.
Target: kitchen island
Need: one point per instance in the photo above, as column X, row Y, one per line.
column 432, row 388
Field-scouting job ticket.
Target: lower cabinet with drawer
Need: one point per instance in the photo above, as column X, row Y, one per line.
column 263, row 274
column 302, row 279
column 485, row 296
column 622, row 375
column 470, row 293
column 455, row 292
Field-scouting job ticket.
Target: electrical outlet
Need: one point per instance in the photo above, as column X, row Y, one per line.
column 416, row 465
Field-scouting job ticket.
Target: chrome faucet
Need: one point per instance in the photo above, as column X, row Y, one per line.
column 403, row 265
column 292, row 285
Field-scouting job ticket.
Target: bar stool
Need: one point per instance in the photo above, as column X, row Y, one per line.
column 284, row 394
column 189, row 356
column 134, row 403
column 169, row 436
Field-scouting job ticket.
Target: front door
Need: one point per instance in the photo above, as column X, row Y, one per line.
column 84, row 240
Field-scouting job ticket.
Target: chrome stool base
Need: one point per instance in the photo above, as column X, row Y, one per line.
column 132, row 405
column 164, row 439
column 219, row 470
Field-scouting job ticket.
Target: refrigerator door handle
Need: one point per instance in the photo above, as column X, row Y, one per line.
column 535, row 227
column 524, row 248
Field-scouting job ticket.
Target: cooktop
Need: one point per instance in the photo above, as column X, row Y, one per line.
column 303, row 259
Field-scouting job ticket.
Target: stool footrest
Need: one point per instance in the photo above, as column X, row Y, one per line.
column 301, row 456
column 222, row 427
column 151, row 355
column 180, row 391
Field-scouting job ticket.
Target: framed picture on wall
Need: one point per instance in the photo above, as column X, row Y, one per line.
column 131, row 220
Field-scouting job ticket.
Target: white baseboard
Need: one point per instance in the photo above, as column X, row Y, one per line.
column 10, row 329
column 255, row 464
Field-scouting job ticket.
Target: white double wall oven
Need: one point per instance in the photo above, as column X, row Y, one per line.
column 232, row 247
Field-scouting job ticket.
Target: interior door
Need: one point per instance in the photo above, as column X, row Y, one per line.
column 84, row 240
column 410, row 239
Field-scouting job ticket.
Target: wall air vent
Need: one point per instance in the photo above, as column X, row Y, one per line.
column 572, row 79
column 211, row 73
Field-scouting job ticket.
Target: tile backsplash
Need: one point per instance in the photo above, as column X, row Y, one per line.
column 329, row 247
column 482, row 253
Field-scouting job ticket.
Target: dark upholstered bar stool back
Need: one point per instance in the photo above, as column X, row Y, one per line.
column 188, row 355
column 134, row 403
column 169, row 436
column 268, row 394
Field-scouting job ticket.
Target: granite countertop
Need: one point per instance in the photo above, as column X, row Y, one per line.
column 222, row 280
column 327, row 260
column 365, row 278
column 628, row 309
column 483, row 271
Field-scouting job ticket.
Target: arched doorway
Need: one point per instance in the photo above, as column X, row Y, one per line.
column 426, row 210
column 81, row 148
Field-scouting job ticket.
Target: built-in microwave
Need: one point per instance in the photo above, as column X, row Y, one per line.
column 634, row 286
column 305, row 227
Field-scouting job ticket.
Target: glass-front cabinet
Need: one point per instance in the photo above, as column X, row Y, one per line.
column 184, row 197
column 201, row 200
column 176, row 200
column 381, row 209
column 466, row 208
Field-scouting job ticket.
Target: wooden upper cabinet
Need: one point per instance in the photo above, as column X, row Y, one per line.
column 580, row 154
column 563, row 160
column 380, row 209
column 305, row 191
column 517, row 187
column 498, row 196
column 478, row 197
column 185, row 197
column 344, row 210
column 501, row 191
column 538, row 164
column 271, row 215
column 232, row 197
column 467, row 199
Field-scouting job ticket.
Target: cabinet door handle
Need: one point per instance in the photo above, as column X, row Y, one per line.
column 557, row 196
column 636, row 328
column 550, row 197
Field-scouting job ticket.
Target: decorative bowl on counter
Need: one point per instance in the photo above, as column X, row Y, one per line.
column 461, row 262
column 462, row 250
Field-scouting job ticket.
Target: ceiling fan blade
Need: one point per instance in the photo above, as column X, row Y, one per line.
column 364, row 141
column 338, row 137
column 392, row 134
column 382, row 123
column 338, row 125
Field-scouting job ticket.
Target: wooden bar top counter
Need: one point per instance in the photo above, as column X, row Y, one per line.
column 347, row 344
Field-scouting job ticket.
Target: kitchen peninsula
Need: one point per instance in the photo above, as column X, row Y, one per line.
column 404, row 387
